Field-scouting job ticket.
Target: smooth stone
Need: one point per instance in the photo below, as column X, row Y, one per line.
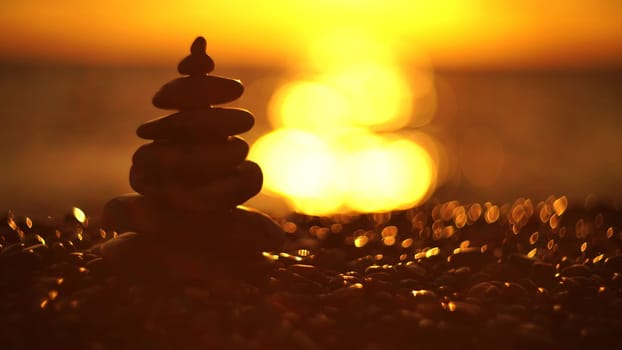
column 220, row 233
column 199, row 46
column 198, row 124
column 142, row 257
column 178, row 168
column 203, row 159
column 197, row 92
column 220, row 193
column 576, row 270
column 196, row 64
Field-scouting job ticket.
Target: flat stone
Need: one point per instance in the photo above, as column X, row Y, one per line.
column 197, row 125
column 203, row 159
column 197, row 92
column 196, row 64
column 232, row 232
column 144, row 257
column 225, row 192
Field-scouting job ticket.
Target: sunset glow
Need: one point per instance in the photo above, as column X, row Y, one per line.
column 277, row 31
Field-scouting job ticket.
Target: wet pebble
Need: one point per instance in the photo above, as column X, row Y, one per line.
column 576, row 270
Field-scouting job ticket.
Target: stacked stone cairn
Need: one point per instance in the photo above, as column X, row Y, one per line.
column 186, row 219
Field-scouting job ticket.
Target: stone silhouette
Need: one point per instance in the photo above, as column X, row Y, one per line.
column 190, row 182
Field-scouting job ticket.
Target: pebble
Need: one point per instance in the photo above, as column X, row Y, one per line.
column 221, row 193
column 576, row 270
column 198, row 125
column 184, row 304
column 241, row 229
column 197, row 92
column 158, row 163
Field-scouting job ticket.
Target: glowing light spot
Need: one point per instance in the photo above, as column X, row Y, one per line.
column 289, row 256
column 290, row 227
column 299, row 165
column 609, row 232
column 448, row 231
column 583, row 247
column 446, row 210
column 389, row 231
column 28, row 222
column 309, row 106
column 79, row 215
column 518, row 213
column 360, row 241
column 44, row 303
column 12, row 224
column 550, row 244
column 407, row 243
column 532, row 253
column 52, row 294
column 465, row 244
column 269, row 256
column 460, row 218
column 560, row 205
column 303, row 252
column 554, row 221
column 492, row 214
column 451, row 306
column 432, row 252
column 534, row 238
column 475, row 211
column 545, row 213
column 422, row 293
column 388, row 241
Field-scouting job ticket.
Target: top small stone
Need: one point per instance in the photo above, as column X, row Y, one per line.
column 198, row 46
column 198, row 62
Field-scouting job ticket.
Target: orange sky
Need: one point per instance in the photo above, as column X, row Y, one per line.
column 451, row 33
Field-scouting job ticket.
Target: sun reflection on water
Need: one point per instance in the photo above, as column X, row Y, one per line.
column 337, row 144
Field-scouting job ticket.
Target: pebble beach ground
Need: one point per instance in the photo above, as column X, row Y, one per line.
column 531, row 274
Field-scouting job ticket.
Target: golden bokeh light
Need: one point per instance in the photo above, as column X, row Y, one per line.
column 331, row 151
column 304, row 162
column 384, row 175
column 378, row 95
column 359, row 172
column 308, row 105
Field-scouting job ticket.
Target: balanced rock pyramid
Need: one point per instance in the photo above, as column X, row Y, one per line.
column 191, row 181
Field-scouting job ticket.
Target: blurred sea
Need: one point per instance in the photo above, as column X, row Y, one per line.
column 67, row 132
